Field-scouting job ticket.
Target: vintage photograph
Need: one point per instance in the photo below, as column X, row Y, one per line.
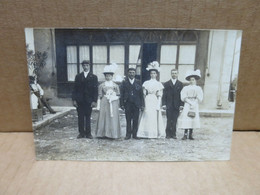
column 126, row 94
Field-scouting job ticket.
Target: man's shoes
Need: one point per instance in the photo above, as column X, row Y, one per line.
column 89, row 136
column 174, row 137
column 135, row 137
column 80, row 136
column 184, row 137
column 168, row 137
column 191, row 138
column 128, row 137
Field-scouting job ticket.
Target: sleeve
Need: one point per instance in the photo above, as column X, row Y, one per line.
column 117, row 90
column 160, row 93
column 122, row 89
column 142, row 96
column 95, row 89
column 100, row 94
column 160, row 88
column 181, row 102
column 199, row 94
column 40, row 89
column 144, row 86
column 183, row 94
column 164, row 95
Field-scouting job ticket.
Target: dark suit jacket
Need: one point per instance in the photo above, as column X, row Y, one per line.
column 171, row 95
column 125, row 91
column 85, row 89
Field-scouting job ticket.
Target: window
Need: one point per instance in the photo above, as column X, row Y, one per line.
column 167, row 61
column 71, row 62
column 117, row 55
column 99, row 60
column 186, row 63
column 83, row 55
column 135, row 57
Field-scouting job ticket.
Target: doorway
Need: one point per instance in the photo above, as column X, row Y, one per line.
column 149, row 55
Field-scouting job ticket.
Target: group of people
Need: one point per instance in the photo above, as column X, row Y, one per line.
column 142, row 104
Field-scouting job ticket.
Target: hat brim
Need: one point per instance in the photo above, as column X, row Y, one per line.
column 153, row 69
column 108, row 73
column 195, row 76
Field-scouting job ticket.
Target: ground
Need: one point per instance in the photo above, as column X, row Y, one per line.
column 57, row 141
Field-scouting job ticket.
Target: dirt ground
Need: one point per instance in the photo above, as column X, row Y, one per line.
column 57, row 141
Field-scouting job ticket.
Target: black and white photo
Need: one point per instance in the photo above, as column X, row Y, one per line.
column 128, row 94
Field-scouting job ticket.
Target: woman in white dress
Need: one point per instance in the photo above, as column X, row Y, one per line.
column 191, row 95
column 151, row 123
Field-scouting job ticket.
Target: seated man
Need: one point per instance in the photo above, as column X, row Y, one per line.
column 38, row 91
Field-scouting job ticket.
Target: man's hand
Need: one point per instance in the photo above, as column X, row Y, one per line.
column 75, row 104
column 93, row 104
column 142, row 108
column 122, row 107
column 164, row 107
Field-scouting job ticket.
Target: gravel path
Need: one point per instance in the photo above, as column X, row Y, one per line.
column 57, row 141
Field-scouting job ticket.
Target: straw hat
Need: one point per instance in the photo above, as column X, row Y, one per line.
column 195, row 74
column 153, row 66
column 110, row 68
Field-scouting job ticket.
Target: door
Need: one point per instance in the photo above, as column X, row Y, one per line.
column 149, row 55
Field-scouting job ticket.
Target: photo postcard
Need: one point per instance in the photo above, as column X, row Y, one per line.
column 127, row 94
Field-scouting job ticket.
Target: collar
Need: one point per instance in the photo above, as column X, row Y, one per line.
column 174, row 81
column 85, row 74
column 131, row 80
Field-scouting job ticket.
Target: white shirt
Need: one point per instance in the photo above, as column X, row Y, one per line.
column 174, row 81
column 131, row 81
column 85, row 74
column 37, row 88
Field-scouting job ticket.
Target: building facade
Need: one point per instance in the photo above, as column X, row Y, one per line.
column 214, row 52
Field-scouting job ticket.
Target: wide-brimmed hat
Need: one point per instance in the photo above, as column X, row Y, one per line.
column 195, row 74
column 153, row 66
column 110, row 68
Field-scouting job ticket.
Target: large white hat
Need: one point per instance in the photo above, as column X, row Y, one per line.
column 153, row 66
column 195, row 74
column 111, row 68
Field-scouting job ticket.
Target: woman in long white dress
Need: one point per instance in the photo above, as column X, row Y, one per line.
column 151, row 123
column 191, row 95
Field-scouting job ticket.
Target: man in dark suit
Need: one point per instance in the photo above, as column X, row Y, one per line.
column 84, row 97
column 131, row 101
column 171, row 101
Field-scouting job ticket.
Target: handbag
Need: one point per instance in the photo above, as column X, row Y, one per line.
column 191, row 114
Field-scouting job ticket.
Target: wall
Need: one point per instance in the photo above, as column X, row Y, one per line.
column 44, row 40
column 218, row 74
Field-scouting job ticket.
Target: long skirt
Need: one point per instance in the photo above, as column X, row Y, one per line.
column 151, row 123
column 186, row 122
column 108, row 125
